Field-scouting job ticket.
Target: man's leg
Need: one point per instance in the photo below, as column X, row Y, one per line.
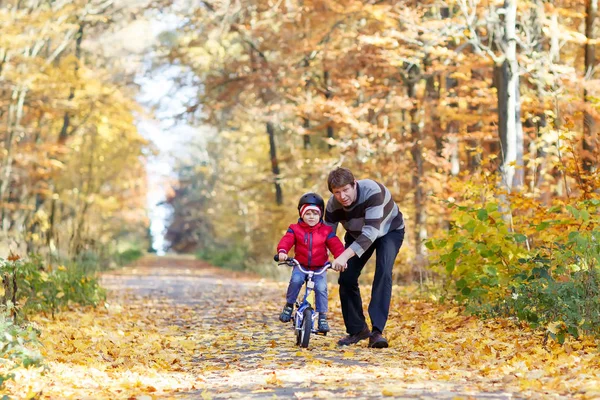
column 350, row 299
column 387, row 248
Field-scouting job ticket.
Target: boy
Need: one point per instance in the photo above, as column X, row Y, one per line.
column 310, row 238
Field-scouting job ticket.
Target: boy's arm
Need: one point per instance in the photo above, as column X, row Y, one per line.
column 286, row 242
column 334, row 244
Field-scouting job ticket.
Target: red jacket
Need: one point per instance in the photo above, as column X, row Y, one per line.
column 311, row 244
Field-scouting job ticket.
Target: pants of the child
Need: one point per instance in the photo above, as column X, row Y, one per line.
column 296, row 282
column 386, row 249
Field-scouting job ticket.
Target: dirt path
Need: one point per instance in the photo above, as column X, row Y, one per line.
column 243, row 351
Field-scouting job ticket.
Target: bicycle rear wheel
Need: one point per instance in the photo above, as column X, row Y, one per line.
column 306, row 328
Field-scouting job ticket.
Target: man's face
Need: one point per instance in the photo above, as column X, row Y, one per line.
column 346, row 195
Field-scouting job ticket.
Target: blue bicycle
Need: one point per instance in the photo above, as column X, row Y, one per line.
column 304, row 316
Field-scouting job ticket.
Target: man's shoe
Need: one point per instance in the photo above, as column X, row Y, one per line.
column 377, row 341
column 352, row 339
column 286, row 314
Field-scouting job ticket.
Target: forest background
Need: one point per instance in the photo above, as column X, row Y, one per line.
column 479, row 116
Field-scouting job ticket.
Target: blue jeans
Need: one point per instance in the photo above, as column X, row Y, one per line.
column 296, row 282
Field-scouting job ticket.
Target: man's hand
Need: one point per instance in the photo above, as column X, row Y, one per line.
column 341, row 262
column 283, row 256
column 339, row 265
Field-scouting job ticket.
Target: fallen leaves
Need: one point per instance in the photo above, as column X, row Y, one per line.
column 212, row 341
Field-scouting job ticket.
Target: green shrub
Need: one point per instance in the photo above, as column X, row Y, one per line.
column 128, row 256
column 547, row 273
column 233, row 257
column 478, row 255
column 568, row 307
column 18, row 348
column 62, row 286
column 30, row 286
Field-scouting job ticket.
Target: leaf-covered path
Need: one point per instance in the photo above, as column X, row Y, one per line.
column 244, row 351
column 178, row 328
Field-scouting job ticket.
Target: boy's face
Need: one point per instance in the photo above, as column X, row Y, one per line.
column 345, row 195
column 311, row 217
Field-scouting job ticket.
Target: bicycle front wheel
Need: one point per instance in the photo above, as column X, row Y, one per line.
column 306, row 327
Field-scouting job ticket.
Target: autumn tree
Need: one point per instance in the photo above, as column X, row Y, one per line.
column 416, row 95
column 72, row 162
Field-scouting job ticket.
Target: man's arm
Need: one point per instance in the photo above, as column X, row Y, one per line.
column 374, row 217
column 333, row 215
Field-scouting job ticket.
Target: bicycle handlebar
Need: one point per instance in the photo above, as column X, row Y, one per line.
column 292, row 262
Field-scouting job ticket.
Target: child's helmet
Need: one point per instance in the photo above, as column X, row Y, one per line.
column 313, row 199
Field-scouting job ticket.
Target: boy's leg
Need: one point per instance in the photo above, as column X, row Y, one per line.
column 321, row 301
column 296, row 282
column 350, row 299
column 387, row 248
column 321, row 293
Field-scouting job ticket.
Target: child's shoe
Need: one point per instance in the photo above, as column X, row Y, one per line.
column 286, row 314
column 323, row 325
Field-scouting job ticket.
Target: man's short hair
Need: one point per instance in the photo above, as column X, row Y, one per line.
column 339, row 177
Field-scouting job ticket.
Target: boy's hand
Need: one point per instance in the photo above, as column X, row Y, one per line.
column 283, row 256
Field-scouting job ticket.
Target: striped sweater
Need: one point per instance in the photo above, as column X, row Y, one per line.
column 372, row 215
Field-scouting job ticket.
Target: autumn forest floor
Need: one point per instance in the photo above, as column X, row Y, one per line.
column 175, row 327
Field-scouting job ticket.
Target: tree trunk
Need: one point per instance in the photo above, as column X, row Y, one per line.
column 51, row 222
column 64, row 132
column 589, row 130
column 420, row 227
column 306, row 121
column 274, row 164
column 328, row 95
column 15, row 115
column 509, row 109
column 88, row 188
column 306, row 137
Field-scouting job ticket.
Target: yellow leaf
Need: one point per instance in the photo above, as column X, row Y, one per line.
column 450, row 314
column 553, row 327
column 434, row 366
column 273, row 380
column 205, row 395
column 392, row 391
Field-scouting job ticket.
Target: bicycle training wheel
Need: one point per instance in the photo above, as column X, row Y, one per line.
column 306, row 328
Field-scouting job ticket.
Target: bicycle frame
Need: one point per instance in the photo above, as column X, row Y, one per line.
column 309, row 285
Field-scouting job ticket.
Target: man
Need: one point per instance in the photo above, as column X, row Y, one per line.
column 373, row 223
